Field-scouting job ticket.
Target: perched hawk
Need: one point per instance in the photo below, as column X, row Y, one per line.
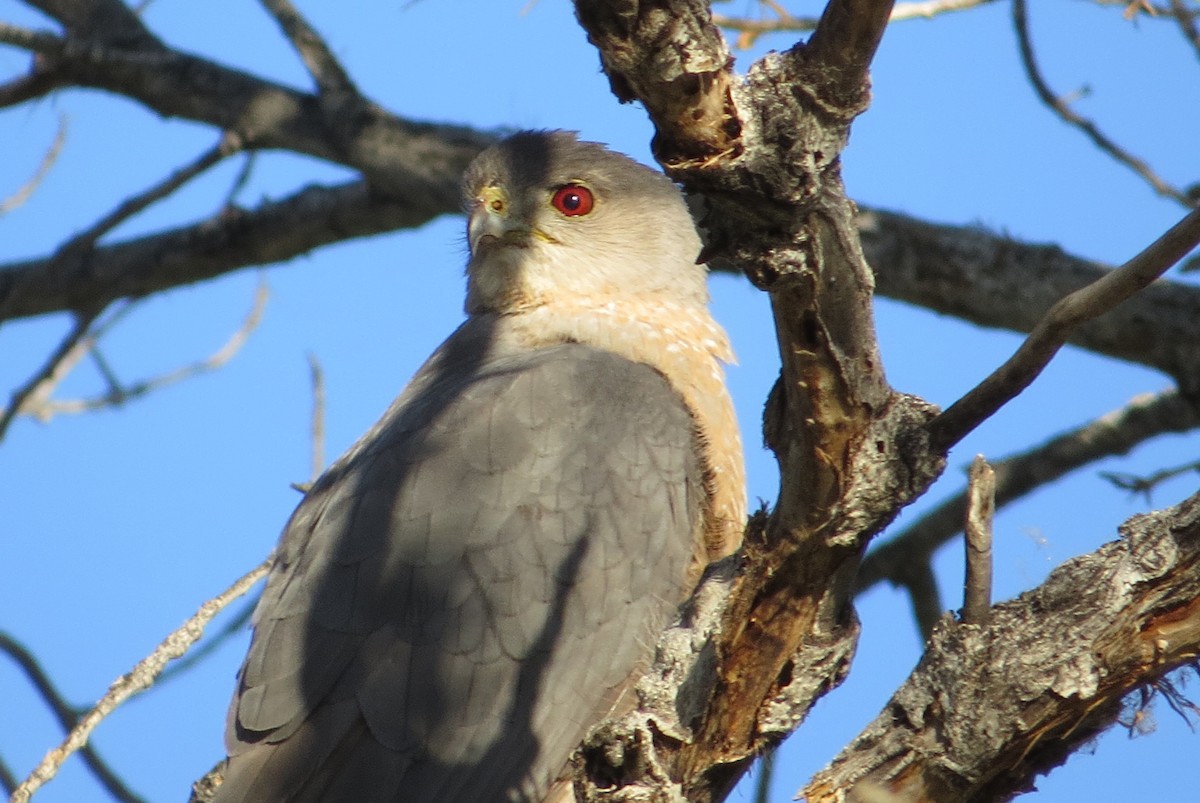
column 482, row 576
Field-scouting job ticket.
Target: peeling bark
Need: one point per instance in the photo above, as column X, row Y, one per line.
column 991, row 707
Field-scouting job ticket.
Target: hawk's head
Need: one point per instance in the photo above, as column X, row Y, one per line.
column 551, row 217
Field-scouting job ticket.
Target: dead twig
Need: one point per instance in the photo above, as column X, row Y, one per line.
column 1145, row 485
column 1185, row 18
column 231, row 628
column 750, row 29
column 52, row 370
column 921, row 584
column 229, row 144
column 140, row 678
column 1061, row 108
column 981, row 506
column 322, row 65
column 1056, row 325
column 907, row 555
column 119, row 393
column 318, row 418
column 67, row 715
column 27, row 189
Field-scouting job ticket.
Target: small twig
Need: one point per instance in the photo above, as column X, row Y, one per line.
column 1186, row 19
column 1116, row 433
column 981, row 506
column 1144, row 485
column 1056, row 325
column 766, row 771
column 29, row 39
column 230, row 629
column 35, row 84
column 67, row 716
column 49, row 370
column 119, row 393
column 318, row 418
column 27, row 189
column 242, row 178
column 921, row 584
column 1068, row 115
column 322, row 65
column 229, row 144
column 8, row 778
column 140, row 678
column 751, row 29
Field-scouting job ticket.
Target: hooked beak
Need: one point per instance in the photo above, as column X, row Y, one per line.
column 492, row 224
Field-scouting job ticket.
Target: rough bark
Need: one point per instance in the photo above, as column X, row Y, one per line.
column 777, row 631
column 991, row 707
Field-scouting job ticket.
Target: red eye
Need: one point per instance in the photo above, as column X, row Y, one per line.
column 573, row 200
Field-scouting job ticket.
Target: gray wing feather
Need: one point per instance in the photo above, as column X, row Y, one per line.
column 466, row 590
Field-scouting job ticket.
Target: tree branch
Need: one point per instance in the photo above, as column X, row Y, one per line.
column 67, row 716
column 1052, row 331
column 140, row 678
column 669, row 56
column 1146, row 485
column 86, row 239
column 233, row 239
column 993, row 280
column 62, row 357
column 1113, row 434
column 43, row 169
column 327, row 72
column 981, row 505
column 1186, row 19
column 109, row 21
column 399, row 157
column 763, row 157
column 1061, row 108
column 120, row 393
column 1101, row 626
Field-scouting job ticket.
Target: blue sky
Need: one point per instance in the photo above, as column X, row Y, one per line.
column 115, row 526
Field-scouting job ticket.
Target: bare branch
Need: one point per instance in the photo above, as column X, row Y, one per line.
column 36, row 84
column 1068, row 115
column 318, row 418
column 229, row 144
column 323, row 66
column 846, row 39
column 43, row 169
column 236, row 623
column 67, row 716
column 8, row 780
column 981, row 505
column 751, row 29
column 1145, row 485
column 1101, row 626
column 1186, row 19
column 140, row 678
column 1052, row 331
column 119, row 393
column 403, row 158
column 909, row 552
column 921, row 584
column 993, row 280
column 242, row 178
column 110, row 21
column 274, row 232
column 67, row 353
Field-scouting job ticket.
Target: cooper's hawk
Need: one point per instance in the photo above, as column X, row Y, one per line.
column 480, row 578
